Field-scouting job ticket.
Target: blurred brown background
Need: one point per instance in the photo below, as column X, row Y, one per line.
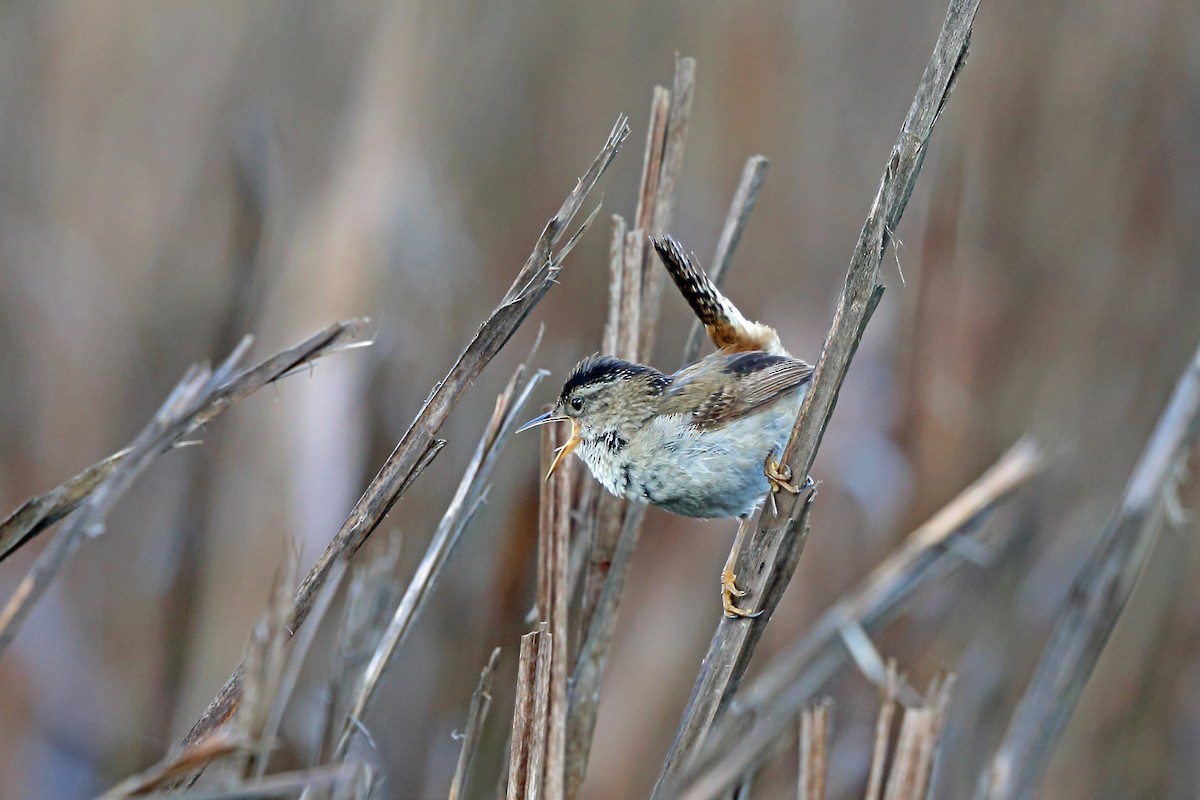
column 173, row 175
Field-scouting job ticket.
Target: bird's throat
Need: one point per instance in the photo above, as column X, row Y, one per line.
column 606, row 456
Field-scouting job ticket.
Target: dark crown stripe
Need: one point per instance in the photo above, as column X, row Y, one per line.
column 598, row 369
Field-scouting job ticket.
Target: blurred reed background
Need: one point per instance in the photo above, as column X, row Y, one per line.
column 175, row 175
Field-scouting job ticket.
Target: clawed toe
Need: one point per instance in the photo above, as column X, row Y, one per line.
column 729, row 590
column 780, row 476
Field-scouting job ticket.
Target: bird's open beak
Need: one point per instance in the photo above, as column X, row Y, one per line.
column 567, row 446
column 541, row 419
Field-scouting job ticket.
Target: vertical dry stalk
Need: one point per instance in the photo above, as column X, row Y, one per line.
column 614, row 528
column 518, row 750
column 915, row 753
column 1096, row 600
column 814, row 750
column 526, row 757
column 657, row 205
column 937, row 700
column 419, row 444
column 883, row 732
column 553, row 593
column 744, row 199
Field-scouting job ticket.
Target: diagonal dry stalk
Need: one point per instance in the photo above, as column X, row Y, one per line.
column 466, row 500
column 419, row 444
column 481, row 702
column 349, row 781
column 196, row 400
column 39, row 513
column 769, row 559
column 185, row 761
column 1096, row 599
column 767, row 706
column 731, row 234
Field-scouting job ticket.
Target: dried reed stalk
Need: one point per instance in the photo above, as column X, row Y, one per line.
column 481, row 702
column 1096, row 599
column 466, row 500
column 744, row 199
column 342, row 781
column 554, row 537
column 814, row 750
column 914, row 755
column 185, row 761
column 883, row 732
column 198, row 398
column 530, row 718
column 768, row 561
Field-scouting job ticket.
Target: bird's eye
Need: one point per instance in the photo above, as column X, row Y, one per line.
column 576, row 404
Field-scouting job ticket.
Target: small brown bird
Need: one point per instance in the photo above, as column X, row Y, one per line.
column 701, row 442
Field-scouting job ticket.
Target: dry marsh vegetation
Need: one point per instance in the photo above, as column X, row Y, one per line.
column 465, row 630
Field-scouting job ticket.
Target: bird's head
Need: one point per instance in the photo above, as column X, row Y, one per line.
column 603, row 394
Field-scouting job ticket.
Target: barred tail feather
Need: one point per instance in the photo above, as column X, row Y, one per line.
column 726, row 326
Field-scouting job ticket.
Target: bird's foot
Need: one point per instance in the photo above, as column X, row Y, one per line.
column 729, row 590
column 780, row 476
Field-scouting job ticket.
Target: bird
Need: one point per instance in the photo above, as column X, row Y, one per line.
column 700, row 442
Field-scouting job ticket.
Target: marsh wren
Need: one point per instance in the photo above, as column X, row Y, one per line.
column 701, row 442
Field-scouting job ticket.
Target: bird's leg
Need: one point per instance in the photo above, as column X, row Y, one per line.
column 729, row 589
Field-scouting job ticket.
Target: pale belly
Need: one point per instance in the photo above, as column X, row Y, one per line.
column 697, row 473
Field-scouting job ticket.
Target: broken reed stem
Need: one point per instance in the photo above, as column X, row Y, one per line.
column 768, row 561
column 527, row 751
column 658, row 212
column 744, row 199
column 337, row 780
column 419, row 444
column 458, row 514
column 290, row 674
column 481, row 702
column 199, row 397
column 615, row 526
column 883, row 732
column 38, row 513
column 915, row 755
column 814, row 750
column 1096, row 600
column 183, row 762
column 769, row 704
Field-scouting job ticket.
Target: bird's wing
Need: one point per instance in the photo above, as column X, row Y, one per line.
column 727, row 386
